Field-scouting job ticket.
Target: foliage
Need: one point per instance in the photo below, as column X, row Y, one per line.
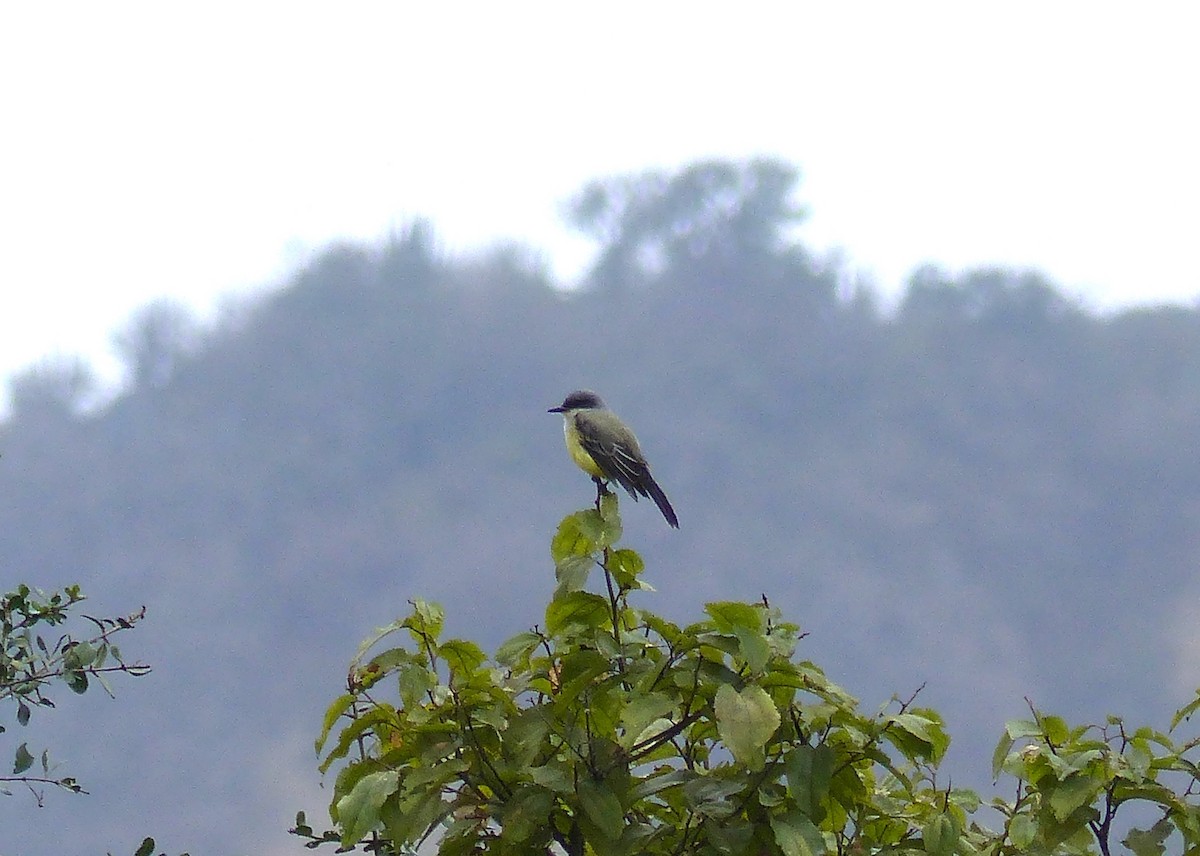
column 1072, row 780
column 147, row 848
column 611, row 730
column 155, row 340
column 57, row 386
column 31, row 661
column 714, row 216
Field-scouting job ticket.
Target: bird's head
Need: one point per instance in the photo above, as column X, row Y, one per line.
column 580, row 399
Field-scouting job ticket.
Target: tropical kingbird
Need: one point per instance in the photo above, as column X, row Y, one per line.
column 604, row 448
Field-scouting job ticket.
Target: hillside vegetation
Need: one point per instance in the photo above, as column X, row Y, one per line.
column 989, row 489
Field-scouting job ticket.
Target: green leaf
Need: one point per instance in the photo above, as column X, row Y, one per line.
column 77, row 681
column 1021, row 728
column 1056, row 730
column 146, row 848
column 602, row 808
column 940, row 836
column 809, row 770
column 966, row 799
column 572, row 573
column 554, row 776
column 381, row 713
column 340, row 705
column 1022, row 831
column 640, row 712
column 1139, row 755
column 734, row 837
column 745, row 720
column 1073, row 828
column 385, row 662
column 376, row 635
column 23, row 760
column 796, row 835
column 669, row 631
column 609, row 505
column 1000, row 753
column 495, row 714
column 755, row 649
column 426, row 620
column 461, row 655
column 575, row 611
column 709, row 795
column 610, row 516
column 525, row 812
column 729, row 615
column 513, row 651
column 525, row 735
column 1185, row 712
column 591, row 665
column 358, row 811
column 1071, row 793
column 22, row 712
column 577, row 535
column 748, row 624
column 409, row 819
column 415, row 682
column 78, row 655
column 660, row 779
column 626, row 566
column 1149, row 842
column 919, row 735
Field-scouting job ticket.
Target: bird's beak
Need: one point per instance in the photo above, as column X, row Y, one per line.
column 556, row 410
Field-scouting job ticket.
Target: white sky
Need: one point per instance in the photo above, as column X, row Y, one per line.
column 198, row 149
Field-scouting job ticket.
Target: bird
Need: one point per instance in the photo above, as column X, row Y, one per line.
column 605, row 448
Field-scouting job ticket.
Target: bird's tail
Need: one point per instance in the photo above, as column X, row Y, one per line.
column 660, row 499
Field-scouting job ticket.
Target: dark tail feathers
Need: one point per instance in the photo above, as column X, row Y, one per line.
column 655, row 492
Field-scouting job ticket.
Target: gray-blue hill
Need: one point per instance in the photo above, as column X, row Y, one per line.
column 990, row 490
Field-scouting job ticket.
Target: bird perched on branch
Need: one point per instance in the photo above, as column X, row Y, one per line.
column 603, row 447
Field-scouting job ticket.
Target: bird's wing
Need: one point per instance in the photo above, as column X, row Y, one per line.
column 622, row 462
column 619, row 462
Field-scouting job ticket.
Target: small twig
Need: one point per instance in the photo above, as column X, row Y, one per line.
column 67, row 784
column 905, row 705
column 614, row 610
column 648, row 745
column 1037, row 718
column 601, row 490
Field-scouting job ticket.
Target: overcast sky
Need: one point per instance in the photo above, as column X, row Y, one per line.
column 199, row 149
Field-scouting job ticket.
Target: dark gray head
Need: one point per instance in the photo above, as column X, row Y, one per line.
column 580, row 399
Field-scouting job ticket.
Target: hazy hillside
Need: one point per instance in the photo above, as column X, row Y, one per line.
column 991, row 491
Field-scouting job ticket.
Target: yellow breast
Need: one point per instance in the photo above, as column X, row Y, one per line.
column 579, row 454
